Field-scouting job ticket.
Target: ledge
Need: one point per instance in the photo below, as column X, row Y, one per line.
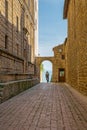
column 66, row 4
column 10, row 54
column 12, row 88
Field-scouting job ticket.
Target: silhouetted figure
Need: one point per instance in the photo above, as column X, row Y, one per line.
column 47, row 76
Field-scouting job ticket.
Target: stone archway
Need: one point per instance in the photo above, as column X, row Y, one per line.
column 58, row 64
column 39, row 60
column 44, row 67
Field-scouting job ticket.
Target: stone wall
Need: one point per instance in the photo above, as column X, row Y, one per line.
column 82, row 40
column 12, row 88
column 76, row 46
column 10, row 63
column 17, row 47
column 17, row 38
column 59, row 61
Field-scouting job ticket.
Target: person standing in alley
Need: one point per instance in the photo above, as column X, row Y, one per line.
column 47, row 76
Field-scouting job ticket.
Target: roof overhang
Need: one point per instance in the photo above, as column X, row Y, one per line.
column 66, row 4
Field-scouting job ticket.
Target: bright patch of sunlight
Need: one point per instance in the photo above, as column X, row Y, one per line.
column 47, row 66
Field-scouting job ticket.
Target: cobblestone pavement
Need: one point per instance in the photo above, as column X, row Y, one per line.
column 47, row 106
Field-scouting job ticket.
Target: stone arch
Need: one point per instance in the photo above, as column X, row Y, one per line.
column 58, row 63
column 47, row 65
column 39, row 60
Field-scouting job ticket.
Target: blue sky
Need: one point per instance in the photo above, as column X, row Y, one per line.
column 52, row 26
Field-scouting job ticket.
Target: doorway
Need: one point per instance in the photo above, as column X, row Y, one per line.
column 44, row 67
column 61, row 74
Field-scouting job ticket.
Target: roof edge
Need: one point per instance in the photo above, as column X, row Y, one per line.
column 66, row 4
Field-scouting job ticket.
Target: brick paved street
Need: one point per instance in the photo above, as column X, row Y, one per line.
column 45, row 107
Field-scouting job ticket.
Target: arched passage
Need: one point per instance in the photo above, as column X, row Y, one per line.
column 40, row 60
column 58, row 64
column 45, row 66
column 58, row 67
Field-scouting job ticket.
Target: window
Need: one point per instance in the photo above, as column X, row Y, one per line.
column 6, row 41
column 30, row 53
column 17, row 23
column 59, row 50
column 6, row 9
column 63, row 57
column 17, row 49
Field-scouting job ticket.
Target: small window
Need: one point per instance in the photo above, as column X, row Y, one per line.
column 6, row 41
column 6, row 9
column 24, row 53
column 27, row 16
column 60, row 50
column 63, row 57
column 17, row 49
column 17, row 22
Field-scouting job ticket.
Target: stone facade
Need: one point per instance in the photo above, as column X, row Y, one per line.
column 75, row 11
column 17, row 46
column 17, row 39
column 36, row 27
column 58, row 63
column 12, row 88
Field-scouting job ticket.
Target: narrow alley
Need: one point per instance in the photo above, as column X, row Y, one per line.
column 46, row 106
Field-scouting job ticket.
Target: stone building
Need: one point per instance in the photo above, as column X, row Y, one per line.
column 58, row 63
column 17, row 39
column 75, row 11
column 18, row 34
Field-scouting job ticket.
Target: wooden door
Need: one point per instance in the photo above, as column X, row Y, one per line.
column 61, row 75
